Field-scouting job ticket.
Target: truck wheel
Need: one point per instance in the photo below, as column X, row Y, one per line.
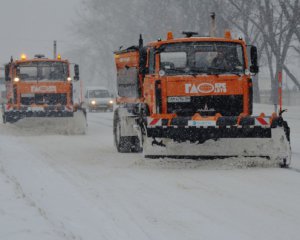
column 287, row 130
column 123, row 144
column 135, row 145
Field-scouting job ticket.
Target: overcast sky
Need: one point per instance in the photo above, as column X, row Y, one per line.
column 30, row 26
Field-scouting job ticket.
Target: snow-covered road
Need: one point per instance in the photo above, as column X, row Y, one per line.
column 79, row 187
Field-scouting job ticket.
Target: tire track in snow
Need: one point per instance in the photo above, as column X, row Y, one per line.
column 294, row 169
column 58, row 228
column 31, row 203
column 101, row 120
column 100, row 123
column 67, row 217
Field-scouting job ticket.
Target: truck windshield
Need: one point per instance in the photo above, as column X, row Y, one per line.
column 202, row 58
column 42, row 71
column 98, row 94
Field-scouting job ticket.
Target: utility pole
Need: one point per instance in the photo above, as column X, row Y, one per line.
column 54, row 49
column 213, row 28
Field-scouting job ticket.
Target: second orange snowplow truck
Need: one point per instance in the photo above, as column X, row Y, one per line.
column 41, row 88
column 192, row 97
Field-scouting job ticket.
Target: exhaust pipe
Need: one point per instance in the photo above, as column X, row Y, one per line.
column 213, row 28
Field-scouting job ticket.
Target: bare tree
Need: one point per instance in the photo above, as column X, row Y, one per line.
column 103, row 26
column 276, row 33
column 292, row 14
column 237, row 14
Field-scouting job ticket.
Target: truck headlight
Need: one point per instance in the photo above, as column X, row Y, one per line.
column 111, row 102
column 16, row 79
column 69, row 79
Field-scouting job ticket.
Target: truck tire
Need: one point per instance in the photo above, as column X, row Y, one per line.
column 287, row 130
column 135, row 145
column 122, row 144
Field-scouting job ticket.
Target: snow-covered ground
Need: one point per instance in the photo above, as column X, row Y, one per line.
column 80, row 188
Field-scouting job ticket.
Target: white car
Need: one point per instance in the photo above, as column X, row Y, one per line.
column 2, row 93
column 99, row 98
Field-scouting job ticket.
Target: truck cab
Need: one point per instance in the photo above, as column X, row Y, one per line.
column 190, row 75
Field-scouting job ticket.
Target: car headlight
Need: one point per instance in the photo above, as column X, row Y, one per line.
column 111, row 102
column 93, row 102
column 16, row 79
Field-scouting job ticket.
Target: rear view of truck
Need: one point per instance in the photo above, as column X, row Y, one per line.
column 42, row 90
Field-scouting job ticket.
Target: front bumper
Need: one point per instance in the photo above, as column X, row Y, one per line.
column 13, row 113
column 201, row 134
column 100, row 106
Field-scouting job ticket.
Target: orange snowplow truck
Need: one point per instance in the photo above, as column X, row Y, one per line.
column 38, row 87
column 192, row 97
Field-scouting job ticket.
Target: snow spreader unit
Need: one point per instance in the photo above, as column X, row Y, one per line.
column 41, row 90
column 192, row 97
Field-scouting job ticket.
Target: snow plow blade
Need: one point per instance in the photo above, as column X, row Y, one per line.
column 14, row 116
column 58, row 122
column 224, row 139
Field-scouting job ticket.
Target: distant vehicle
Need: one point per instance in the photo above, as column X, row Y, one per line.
column 99, row 98
column 2, row 86
column 2, row 93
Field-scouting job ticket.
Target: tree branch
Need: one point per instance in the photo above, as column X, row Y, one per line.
column 291, row 76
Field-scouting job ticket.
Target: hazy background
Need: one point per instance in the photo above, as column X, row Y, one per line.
column 88, row 31
column 30, row 26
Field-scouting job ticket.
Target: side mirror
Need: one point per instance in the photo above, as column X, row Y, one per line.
column 7, row 70
column 76, row 71
column 254, row 68
column 17, row 71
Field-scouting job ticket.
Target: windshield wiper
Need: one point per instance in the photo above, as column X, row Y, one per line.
column 217, row 71
column 235, row 73
column 199, row 71
column 195, row 72
column 175, row 70
column 186, row 71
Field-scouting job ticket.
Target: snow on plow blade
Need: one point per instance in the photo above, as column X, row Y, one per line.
column 250, row 138
column 58, row 122
column 15, row 116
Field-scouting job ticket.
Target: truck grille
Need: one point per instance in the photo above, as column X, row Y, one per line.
column 40, row 99
column 208, row 106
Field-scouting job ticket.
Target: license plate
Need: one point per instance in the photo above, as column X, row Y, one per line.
column 27, row 95
column 201, row 123
column 179, row 99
